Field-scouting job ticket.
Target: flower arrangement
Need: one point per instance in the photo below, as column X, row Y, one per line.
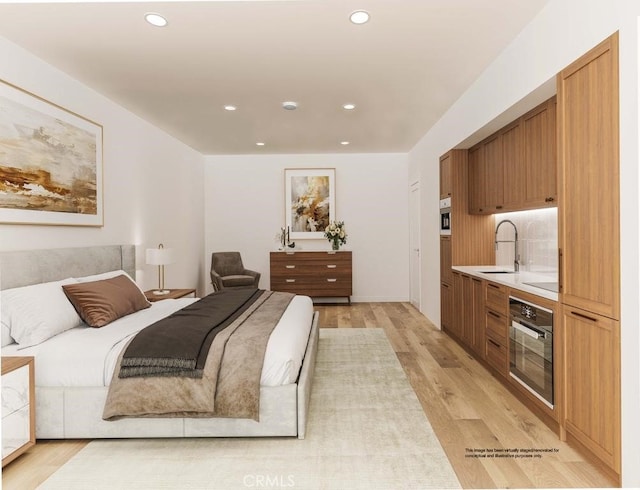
column 336, row 234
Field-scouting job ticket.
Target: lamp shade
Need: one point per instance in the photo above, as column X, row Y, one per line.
column 159, row 256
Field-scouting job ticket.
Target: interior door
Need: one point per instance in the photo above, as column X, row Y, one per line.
column 414, row 241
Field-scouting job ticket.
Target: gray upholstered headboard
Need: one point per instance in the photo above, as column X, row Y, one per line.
column 26, row 267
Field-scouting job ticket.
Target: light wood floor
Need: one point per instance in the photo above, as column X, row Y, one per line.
column 466, row 406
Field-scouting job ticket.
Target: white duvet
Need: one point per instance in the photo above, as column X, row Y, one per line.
column 86, row 356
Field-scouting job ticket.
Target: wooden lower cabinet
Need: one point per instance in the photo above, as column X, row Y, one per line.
column 315, row 274
column 446, row 306
column 591, row 357
column 467, row 317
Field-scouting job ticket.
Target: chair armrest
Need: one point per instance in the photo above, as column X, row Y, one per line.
column 216, row 280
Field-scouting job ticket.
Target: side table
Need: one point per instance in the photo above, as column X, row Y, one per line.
column 172, row 294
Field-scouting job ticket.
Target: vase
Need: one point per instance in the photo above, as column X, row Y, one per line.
column 335, row 245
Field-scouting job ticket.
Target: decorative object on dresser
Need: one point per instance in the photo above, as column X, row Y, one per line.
column 172, row 294
column 309, row 201
column 312, row 273
column 336, row 234
column 228, row 271
column 18, row 407
column 160, row 256
column 37, row 186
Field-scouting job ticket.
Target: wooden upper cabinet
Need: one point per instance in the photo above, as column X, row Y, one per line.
column 445, row 176
column 477, row 177
column 589, row 209
column 515, row 168
column 540, row 155
column 512, row 159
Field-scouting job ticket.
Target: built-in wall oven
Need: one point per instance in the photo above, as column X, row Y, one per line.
column 531, row 348
column 445, row 216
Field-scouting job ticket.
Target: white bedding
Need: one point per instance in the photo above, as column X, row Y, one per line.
column 87, row 356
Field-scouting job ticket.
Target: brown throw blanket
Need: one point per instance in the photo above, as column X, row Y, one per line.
column 178, row 345
column 230, row 382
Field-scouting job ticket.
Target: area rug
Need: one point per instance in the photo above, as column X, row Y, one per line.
column 366, row 430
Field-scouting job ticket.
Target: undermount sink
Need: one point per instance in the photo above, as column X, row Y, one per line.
column 496, row 272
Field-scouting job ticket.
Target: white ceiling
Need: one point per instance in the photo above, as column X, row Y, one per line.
column 403, row 69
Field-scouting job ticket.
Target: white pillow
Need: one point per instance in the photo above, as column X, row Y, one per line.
column 6, row 334
column 38, row 312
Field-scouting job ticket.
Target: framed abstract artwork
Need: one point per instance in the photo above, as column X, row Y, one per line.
column 50, row 163
column 310, row 201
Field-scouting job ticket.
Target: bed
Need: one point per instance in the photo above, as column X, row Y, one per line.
column 71, row 406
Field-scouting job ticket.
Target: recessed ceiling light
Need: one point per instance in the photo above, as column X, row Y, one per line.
column 344, row 143
column 349, row 107
column 230, row 107
column 155, row 19
column 290, row 105
column 259, row 143
column 359, row 17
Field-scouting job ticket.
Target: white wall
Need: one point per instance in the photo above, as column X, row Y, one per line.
column 563, row 31
column 244, row 210
column 152, row 190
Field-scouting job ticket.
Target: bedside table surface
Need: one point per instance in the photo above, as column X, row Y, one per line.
column 11, row 363
column 172, row 294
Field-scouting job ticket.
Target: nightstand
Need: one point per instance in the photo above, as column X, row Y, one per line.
column 172, row 294
column 18, row 407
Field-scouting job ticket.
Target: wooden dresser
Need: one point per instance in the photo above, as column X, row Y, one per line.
column 315, row 274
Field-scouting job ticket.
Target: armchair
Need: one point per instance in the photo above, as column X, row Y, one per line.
column 227, row 271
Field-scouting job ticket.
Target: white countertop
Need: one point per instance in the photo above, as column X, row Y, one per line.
column 515, row 280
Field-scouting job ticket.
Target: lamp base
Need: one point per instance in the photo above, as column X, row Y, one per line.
column 160, row 292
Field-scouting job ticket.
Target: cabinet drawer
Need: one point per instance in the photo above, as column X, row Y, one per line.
column 16, row 430
column 497, row 297
column 15, row 390
column 496, row 326
column 496, row 355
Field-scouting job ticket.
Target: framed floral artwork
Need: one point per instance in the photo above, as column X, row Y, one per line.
column 50, row 163
column 310, row 201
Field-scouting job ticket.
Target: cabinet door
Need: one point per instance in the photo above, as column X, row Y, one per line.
column 589, row 211
column 477, row 177
column 458, row 313
column 494, row 180
column 446, row 306
column 467, row 310
column 512, row 158
column 445, row 260
column 445, row 176
column 592, row 382
column 478, row 328
column 540, row 159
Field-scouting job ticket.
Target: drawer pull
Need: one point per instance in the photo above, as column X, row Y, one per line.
column 586, row 317
column 290, row 253
column 290, row 266
column 331, row 266
column 493, row 286
column 331, row 280
column 495, row 315
column 494, row 343
column 290, row 280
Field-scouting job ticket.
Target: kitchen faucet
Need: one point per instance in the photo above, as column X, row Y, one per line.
column 516, row 258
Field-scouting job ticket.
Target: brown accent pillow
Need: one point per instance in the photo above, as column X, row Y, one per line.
column 101, row 302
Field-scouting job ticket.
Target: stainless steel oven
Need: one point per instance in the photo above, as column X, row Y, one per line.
column 531, row 348
column 445, row 216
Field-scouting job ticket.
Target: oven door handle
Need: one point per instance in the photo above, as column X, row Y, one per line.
column 527, row 330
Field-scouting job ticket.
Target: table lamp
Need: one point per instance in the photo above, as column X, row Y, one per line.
column 160, row 256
